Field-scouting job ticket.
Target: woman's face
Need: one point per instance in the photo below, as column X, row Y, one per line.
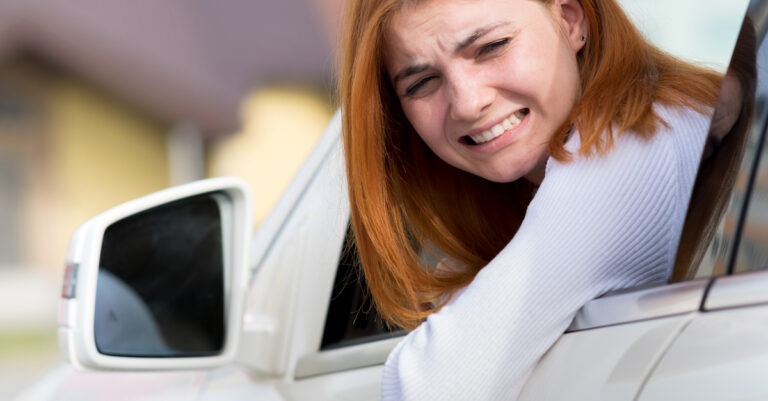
column 486, row 83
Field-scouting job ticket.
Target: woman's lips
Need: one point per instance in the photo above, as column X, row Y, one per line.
column 497, row 130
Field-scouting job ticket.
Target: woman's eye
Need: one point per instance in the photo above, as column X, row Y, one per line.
column 492, row 47
column 416, row 88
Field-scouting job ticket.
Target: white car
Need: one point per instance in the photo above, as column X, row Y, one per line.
column 169, row 297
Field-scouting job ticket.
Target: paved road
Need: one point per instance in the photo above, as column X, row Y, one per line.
column 18, row 373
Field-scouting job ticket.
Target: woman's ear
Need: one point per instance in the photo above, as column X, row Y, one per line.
column 571, row 15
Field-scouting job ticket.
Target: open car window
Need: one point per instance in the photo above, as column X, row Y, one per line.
column 352, row 318
column 726, row 228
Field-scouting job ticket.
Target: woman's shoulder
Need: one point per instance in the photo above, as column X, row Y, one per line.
column 684, row 132
column 673, row 151
column 687, row 119
column 681, row 129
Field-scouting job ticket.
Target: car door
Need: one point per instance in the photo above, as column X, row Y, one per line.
column 722, row 353
column 693, row 339
column 614, row 344
column 309, row 330
column 343, row 356
column 355, row 343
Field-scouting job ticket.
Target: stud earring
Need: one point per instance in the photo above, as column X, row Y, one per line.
column 583, row 38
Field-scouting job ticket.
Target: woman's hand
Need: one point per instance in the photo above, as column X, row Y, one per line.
column 727, row 110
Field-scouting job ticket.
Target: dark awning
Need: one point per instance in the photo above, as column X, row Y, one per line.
column 179, row 60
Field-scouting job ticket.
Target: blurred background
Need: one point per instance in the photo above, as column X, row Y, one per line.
column 103, row 101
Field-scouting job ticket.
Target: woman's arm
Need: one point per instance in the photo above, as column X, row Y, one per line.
column 596, row 224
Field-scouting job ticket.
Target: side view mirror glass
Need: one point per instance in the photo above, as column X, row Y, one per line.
column 159, row 282
column 160, row 287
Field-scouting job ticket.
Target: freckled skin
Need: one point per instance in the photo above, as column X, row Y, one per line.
column 475, row 68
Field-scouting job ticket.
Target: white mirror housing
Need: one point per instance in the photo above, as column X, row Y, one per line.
column 231, row 200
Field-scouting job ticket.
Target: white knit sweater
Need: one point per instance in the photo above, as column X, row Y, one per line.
column 596, row 224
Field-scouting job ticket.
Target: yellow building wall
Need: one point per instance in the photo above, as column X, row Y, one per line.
column 281, row 125
column 102, row 154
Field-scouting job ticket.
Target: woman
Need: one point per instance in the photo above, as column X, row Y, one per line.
column 542, row 149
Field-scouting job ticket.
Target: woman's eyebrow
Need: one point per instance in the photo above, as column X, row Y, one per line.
column 477, row 34
column 407, row 72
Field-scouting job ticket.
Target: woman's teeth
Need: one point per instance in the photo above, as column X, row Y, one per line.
column 498, row 129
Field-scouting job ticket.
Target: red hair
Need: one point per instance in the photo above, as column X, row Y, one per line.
column 406, row 201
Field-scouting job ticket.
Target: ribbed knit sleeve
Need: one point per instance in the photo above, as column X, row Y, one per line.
column 596, row 224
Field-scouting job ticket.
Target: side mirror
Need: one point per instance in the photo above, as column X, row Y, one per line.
column 159, row 282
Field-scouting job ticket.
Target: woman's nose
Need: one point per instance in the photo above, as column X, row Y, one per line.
column 469, row 97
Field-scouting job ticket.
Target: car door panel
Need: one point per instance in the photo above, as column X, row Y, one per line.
column 346, row 358
column 573, row 369
column 720, row 355
column 362, row 384
column 238, row 383
column 631, row 329
column 738, row 291
column 292, row 287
